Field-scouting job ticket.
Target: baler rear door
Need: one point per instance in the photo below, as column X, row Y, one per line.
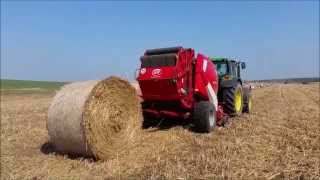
column 156, row 77
column 158, row 89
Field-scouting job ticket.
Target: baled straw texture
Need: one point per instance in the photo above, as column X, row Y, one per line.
column 112, row 118
column 95, row 118
column 64, row 122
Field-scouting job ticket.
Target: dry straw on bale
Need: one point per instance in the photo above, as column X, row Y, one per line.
column 95, row 118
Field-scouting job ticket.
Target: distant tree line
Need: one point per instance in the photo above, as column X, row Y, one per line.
column 288, row 80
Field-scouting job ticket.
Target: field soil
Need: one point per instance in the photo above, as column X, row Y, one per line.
column 279, row 140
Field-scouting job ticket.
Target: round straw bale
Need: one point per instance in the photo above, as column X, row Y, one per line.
column 138, row 90
column 65, row 124
column 137, row 87
column 95, row 118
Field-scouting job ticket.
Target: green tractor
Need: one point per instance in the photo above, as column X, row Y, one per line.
column 234, row 95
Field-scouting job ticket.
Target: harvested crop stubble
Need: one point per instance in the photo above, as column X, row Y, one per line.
column 95, row 118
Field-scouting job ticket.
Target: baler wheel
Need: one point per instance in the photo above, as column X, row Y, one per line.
column 204, row 116
column 149, row 121
column 233, row 100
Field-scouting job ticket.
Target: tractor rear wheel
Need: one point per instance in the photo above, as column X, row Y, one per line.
column 204, row 116
column 233, row 100
column 247, row 100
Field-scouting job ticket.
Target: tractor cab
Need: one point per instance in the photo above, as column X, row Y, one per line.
column 229, row 71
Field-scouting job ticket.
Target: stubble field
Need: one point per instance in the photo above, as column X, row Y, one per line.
column 279, row 140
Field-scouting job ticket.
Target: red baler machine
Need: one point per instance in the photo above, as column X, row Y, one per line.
column 176, row 82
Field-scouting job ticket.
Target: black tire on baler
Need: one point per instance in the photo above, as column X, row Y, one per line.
column 229, row 99
column 149, row 121
column 204, row 116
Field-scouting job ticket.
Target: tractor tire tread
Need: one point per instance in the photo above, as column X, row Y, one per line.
column 229, row 100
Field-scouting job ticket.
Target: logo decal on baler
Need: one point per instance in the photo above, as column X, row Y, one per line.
column 143, row 70
column 156, row 73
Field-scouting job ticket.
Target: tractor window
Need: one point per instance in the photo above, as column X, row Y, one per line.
column 158, row 60
column 221, row 68
column 233, row 69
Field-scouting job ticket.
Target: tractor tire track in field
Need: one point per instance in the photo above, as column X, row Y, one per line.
column 298, row 123
column 279, row 139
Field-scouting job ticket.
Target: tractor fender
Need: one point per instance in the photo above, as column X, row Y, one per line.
column 246, row 93
column 230, row 83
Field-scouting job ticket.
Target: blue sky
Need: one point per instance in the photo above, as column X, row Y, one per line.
column 81, row 40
